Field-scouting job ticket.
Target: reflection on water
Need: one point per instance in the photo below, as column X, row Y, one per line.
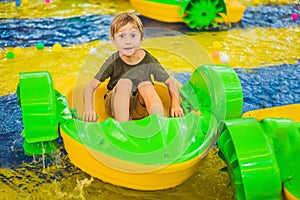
column 263, row 48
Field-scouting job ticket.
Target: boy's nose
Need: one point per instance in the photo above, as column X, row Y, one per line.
column 127, row 40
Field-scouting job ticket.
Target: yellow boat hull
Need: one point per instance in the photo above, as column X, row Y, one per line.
column 153, row 178
column 291, row 111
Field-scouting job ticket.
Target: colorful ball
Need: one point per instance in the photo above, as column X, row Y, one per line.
column 18, row 2
column 40, row 45
column 17, row 51
column 93, row 51
column 216, row 45
column 295, row 16
column 256, row 2
column 215, row 54
column 57, row 48
column 10, row 55
column 47, row 1
column 224, row 58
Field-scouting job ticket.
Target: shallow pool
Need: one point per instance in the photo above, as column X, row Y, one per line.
column 264, row 50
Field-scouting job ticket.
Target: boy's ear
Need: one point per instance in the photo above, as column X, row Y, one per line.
column 112, row 39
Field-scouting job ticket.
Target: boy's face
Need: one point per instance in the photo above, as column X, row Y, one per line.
column 127, row 40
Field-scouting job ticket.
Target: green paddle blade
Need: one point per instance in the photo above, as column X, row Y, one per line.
column 202, row 14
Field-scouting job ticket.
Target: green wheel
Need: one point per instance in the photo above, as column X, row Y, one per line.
column 43, row 108
column 38, row 102
column 285, row 136
column 250, row 160
column 202, row 14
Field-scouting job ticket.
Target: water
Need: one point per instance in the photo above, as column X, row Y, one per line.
column 263, row 49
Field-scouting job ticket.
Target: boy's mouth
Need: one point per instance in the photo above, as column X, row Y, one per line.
column 128, row 48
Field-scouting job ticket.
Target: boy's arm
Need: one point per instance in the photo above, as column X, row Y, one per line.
column 176, row 109
column 89, row 114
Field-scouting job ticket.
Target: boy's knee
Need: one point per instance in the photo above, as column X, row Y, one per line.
column 149, row 95
column 157, row 109
column 146, row 88
column 124, row 85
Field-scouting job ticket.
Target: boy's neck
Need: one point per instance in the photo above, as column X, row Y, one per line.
column 134, row 59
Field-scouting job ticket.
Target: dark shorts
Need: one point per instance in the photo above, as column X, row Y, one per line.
column 136, row 109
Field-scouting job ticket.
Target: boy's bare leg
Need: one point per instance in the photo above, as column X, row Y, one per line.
column 121, row 100
column 150, row 98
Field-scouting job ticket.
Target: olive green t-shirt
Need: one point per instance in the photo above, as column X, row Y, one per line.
column 115, row 68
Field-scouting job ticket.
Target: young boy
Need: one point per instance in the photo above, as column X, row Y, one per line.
column 131, row 93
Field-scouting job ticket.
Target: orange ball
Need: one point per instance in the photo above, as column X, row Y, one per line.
column 215, row 54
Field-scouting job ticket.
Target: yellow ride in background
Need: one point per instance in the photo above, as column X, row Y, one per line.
column 197, row 14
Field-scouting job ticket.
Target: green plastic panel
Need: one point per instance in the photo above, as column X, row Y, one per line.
column 218, row 90
column 39, row 148
column 284, row 136
column 258, row 156
column 169, row 2
column 152, row 140
column 38, row 103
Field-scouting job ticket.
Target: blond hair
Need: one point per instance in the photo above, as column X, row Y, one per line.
column 124, row 18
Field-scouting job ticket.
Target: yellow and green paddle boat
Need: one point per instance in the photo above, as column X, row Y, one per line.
column 152, row 153
column 197, row 14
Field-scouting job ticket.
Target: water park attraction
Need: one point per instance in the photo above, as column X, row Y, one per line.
column 242, row 112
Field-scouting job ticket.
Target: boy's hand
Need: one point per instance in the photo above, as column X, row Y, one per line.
column 176, row 111
column 89, row 116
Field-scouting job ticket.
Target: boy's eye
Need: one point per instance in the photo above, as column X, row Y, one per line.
column 133, row 35
column 121, row 35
